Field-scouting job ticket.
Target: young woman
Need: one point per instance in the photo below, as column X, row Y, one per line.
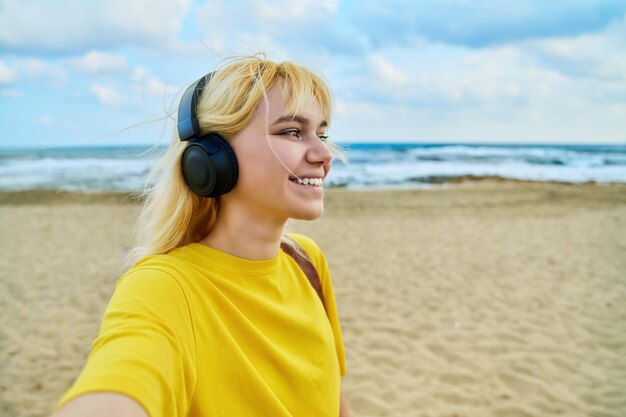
column 220, row 317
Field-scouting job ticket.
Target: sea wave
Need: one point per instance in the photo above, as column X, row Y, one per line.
column 371, row 165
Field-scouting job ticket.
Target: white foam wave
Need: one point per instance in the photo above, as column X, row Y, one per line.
column 381, row 165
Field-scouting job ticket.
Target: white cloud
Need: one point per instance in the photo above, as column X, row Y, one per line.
column 479, row 24
column 37, row 69
column 281, row 9
column 95, row 62
column 599, row 55
column 153, row 86
column 33, row 66
column 386, row 70
column 11, row 93
column 7, row 75
column 565, row 90
column 302, row 30
column 139, row 73
column 551, row 122
column 108, row 95
column 65, row 26
column 46, row 120
column 150, row 85
column 433, row 75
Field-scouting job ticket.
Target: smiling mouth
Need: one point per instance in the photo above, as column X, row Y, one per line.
column 312, row 182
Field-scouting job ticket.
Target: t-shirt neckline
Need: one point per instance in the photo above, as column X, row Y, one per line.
column 233, row 263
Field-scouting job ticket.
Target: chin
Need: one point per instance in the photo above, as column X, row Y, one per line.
column 308, row 214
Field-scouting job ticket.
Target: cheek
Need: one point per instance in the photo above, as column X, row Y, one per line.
column 260, row 168
column 287, row 155
column 259, row 162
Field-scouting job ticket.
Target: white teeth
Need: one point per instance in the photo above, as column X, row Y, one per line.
column 317, row 182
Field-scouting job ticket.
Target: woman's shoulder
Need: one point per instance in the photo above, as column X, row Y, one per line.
column 167, row 259
column 311, row 250
column 169, row 266
column 306, row 243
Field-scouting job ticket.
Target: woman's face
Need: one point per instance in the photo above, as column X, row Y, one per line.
column 275, row 153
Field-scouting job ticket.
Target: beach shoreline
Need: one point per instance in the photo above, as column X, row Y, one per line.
column 63, row 196
column 484, row 298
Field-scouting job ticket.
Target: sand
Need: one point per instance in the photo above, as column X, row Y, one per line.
column 481, row 299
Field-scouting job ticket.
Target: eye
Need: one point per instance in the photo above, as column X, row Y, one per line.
column 291, row 132
column 323, row 138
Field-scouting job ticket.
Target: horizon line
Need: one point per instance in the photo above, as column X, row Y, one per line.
column 133, row 145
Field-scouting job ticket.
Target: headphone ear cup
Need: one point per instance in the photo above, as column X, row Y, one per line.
column 210, row 166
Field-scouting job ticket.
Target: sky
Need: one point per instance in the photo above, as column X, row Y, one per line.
column 111, row 72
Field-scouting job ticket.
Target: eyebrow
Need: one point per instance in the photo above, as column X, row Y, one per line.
column 297, row 118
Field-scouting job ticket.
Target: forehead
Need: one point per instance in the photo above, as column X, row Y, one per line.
column 279, row 104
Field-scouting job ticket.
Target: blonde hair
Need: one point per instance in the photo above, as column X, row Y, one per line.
column 172, row 215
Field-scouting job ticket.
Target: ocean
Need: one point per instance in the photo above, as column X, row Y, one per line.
column 372, row 165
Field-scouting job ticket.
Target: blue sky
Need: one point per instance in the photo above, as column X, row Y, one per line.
column 104, row 72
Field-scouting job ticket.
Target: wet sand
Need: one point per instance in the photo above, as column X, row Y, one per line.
column 480, row 299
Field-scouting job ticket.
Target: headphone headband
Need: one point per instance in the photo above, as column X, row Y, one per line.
column 187, row 119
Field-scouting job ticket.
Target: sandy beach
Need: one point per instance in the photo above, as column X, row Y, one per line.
column 479, row 299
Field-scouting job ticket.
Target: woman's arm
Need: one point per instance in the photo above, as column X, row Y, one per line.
column 344, row 409
column 101, row 404
column 106, row 404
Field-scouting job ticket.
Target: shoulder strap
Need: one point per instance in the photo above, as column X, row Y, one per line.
column 308, row 268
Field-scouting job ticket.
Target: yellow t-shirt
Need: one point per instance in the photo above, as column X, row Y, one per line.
column 198, row 332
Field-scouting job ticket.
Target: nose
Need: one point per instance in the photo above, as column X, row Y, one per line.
column 318, row 152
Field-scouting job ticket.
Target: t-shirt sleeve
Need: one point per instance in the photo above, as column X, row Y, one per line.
column 145, row 348
column 319, row 261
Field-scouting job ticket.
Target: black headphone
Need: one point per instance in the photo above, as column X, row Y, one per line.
column 209, row 163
